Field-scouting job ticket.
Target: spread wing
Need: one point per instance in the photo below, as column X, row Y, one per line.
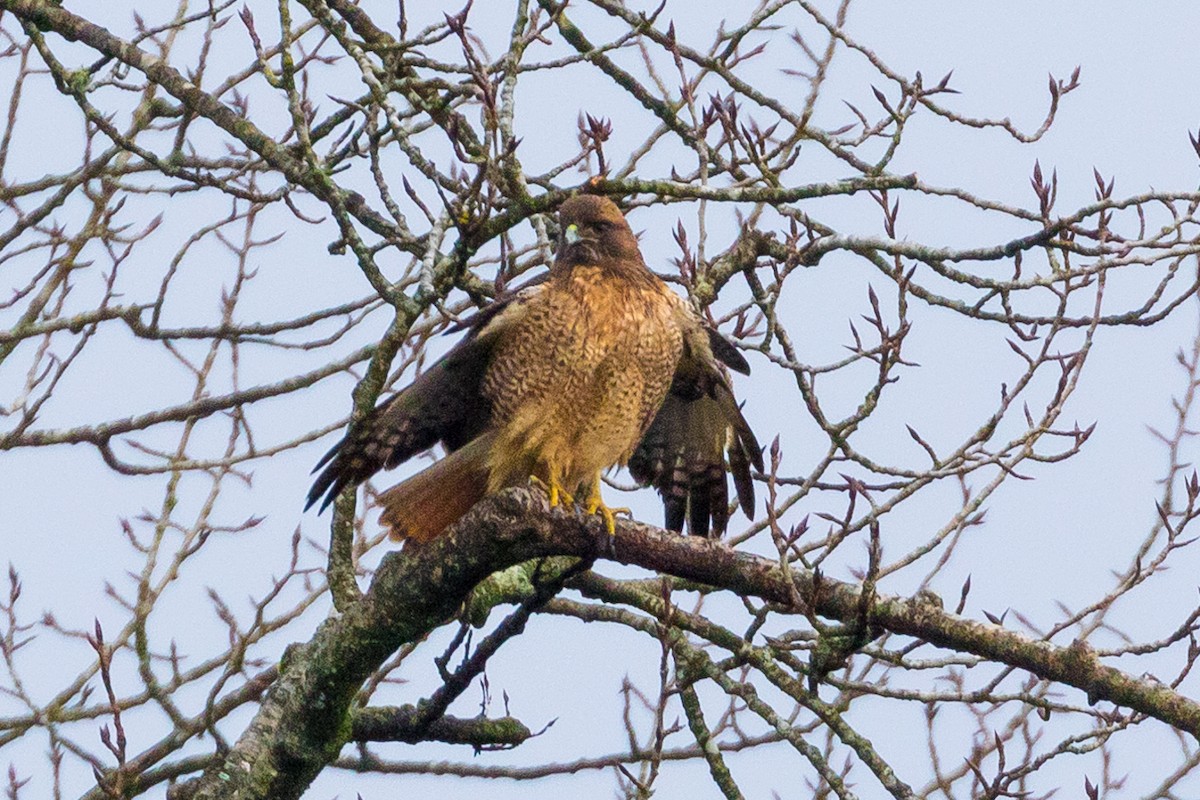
column 683, row 452
column 444, row 404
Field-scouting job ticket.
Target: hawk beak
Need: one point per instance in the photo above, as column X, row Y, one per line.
column 571, row 234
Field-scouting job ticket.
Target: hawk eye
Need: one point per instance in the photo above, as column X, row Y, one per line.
column 602, row 225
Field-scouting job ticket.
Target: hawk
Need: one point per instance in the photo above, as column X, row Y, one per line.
column 598, row 363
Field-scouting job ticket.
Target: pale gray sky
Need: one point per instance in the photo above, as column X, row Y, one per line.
column 1056, row 538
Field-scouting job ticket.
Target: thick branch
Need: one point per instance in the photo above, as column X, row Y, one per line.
column 305, row 719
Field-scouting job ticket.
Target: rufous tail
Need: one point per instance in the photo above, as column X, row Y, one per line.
column 426, row 504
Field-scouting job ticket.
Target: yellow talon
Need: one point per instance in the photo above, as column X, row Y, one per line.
column 595, row 504
column 553, row 490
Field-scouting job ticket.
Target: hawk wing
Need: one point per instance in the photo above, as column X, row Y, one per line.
column 444, row 404
column 683, row 452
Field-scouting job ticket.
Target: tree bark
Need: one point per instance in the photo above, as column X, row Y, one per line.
column 305, row 718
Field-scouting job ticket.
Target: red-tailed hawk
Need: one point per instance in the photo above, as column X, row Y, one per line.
column 598, row 364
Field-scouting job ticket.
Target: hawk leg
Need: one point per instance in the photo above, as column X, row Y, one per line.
column 595, row 505
column 554, row 490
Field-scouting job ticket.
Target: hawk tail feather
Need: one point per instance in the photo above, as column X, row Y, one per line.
column 424, row 505
column 740, row 454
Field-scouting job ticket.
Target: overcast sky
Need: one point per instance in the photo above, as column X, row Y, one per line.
column 1052, row 539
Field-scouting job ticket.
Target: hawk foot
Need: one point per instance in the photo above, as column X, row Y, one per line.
column 595, row 505
column 553, row 490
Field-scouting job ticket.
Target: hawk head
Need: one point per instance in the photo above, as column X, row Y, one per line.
column 594, row 231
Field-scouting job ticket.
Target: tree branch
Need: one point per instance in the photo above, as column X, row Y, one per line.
column 404, row 724
column 305, row 718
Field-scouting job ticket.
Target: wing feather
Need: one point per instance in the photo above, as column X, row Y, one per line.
column 683, row 452
column 444, row 404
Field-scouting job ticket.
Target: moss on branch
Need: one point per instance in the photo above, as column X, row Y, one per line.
column 305, row 718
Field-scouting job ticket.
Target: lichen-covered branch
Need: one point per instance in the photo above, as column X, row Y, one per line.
column 305, row 718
